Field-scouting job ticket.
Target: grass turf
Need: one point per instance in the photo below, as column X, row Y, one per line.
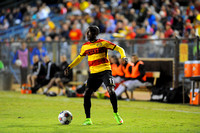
column 38, row 113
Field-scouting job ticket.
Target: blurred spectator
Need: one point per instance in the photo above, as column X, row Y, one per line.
column 51, row 25
column 17, row 16
column 53, row 33
column 130, row 33
column 84, row 26
column 116, row 67
column 59, row 78
column 110, row 26
column 43, row 12
column 5, row 25
column 65, row 31
column 112, row 16
column 188, row 25
column 21, row 60
column 142, row 13
column 75, row 34
column 148, row 28
column 51, row 69
column 38, row 72
column 169, row 31
column 136, row 76
column 134, row 26
column 151, row 17
column 40, row 51
column 63, row 9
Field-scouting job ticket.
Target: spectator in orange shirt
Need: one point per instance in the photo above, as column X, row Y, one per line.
column 75, row 34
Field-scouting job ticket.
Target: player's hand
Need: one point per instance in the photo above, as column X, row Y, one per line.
column 66, row 72
column 125, row 59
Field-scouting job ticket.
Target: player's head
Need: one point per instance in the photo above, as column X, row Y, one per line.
column 35, row 58
column 134, row 58
column 23, row 45
column 63, row 58
column 92, row 32
column 46, row 59
column 114, row 59
column 40, row 44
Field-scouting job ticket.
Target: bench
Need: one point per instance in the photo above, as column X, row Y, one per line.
column 150, row 74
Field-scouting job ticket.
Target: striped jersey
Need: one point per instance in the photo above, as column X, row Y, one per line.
column 97, row 55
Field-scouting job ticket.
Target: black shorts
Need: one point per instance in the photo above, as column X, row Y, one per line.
column 95, row 80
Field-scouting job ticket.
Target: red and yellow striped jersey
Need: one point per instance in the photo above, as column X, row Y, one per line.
column 97, row 55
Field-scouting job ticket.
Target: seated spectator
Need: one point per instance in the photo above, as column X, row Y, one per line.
column 135, row 76
column 21, row 60
column 59, row 78
column 40, row 51
column 38, row 72
column 50, row 70
column 116, row 67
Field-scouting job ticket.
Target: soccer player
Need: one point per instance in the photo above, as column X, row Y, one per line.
column 100, row 70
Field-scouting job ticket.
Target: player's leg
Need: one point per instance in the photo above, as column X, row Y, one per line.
column 60, row 85
column 29, row 80
column 33, row 80
column 109, row 82
column 93, row 85
column 49, row 85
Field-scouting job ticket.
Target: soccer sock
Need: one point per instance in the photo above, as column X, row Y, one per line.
column 87, row 103
column 45, row 90
column 113, row 100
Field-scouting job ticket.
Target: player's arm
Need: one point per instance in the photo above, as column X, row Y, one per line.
column 78, row 59
column 120, row 50
column 112, row 46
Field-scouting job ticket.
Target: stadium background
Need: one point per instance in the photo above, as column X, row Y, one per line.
column 155, row 30
column 138, row 29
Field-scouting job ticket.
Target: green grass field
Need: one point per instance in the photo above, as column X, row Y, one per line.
column 38, row 113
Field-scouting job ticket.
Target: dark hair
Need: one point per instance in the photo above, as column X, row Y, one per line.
column 94, row 30
column 116, row 59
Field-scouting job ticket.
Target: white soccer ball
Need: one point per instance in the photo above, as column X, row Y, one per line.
column 18, row 62
column 65, row 117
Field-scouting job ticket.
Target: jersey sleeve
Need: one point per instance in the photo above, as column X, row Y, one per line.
column 109, row 45
column 82, row 52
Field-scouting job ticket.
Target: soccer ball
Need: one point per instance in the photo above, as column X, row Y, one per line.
column 18, row 62
column 65, row 117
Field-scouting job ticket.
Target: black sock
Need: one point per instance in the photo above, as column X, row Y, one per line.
column 113, row 100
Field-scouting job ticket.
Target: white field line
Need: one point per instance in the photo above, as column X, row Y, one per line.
column 173, row 110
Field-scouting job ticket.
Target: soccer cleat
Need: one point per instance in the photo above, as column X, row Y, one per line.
column 118, row 118
column 88, row 121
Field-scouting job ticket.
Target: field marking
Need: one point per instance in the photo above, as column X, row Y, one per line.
column 173, row 110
